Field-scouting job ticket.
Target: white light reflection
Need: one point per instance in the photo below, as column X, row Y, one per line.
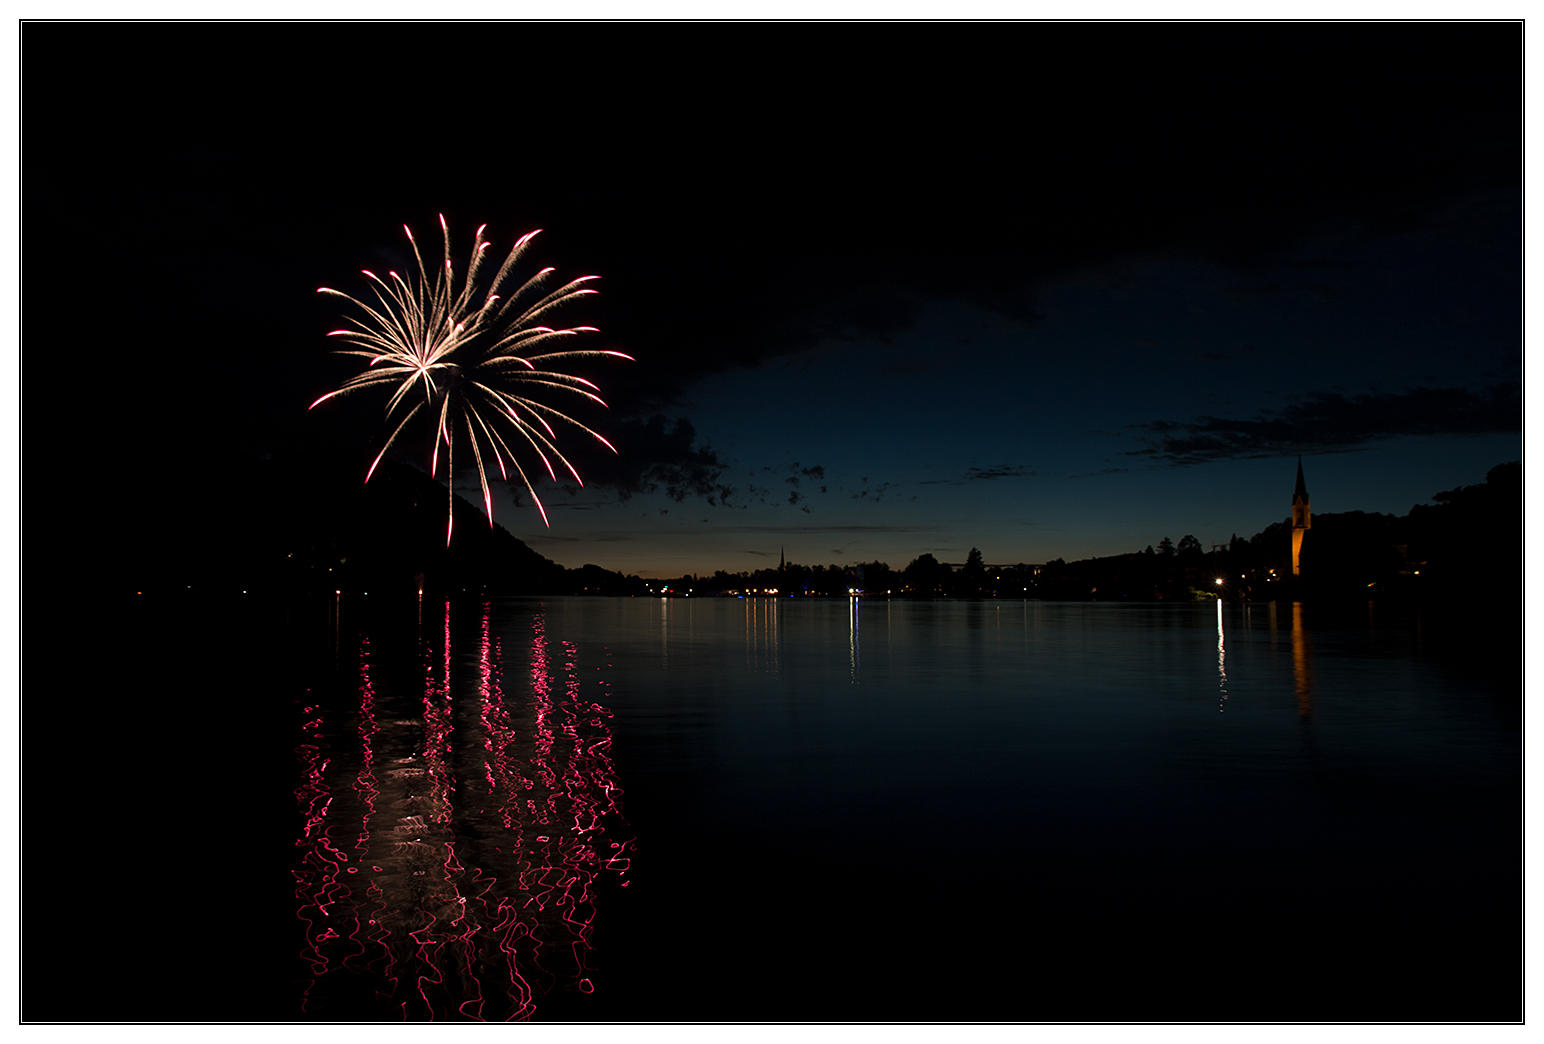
column 1222, row 663
column 853, row 649
column 761, row 616
column 664, row 632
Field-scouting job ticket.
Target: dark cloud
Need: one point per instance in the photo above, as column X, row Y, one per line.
column 761, row 495
column 1373, row 127
column 1347, row 126
column 1328, row 423
column 655, row 454
column 1000, row 471
column 974, row 474
column 874, row 493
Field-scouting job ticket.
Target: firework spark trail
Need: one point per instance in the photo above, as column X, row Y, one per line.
column 471, row 368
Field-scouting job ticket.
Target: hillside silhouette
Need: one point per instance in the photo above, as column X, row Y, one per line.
column 289, row 523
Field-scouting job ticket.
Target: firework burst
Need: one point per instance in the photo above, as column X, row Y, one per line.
column 471, row 361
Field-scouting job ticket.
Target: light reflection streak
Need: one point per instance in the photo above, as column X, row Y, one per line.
column 774, row 613
column 761, row 638
column 1222, row 663
column 1302, row 662
column 317, row 882
column 335, row 621
column 479, row 894
column 854, row 649
column 365, row 783
column 664, row 632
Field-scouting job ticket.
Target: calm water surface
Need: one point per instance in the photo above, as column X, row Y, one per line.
column 639, row 809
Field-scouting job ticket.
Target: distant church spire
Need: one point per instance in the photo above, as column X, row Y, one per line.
column 782, row 562
column 1302, row 520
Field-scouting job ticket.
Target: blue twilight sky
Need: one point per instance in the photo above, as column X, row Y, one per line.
column 1025, row 438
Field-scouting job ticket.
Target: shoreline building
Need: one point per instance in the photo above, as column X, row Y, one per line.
column 1302, row 520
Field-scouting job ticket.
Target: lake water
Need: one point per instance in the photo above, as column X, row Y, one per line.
column 764, row 809
column 724, row 809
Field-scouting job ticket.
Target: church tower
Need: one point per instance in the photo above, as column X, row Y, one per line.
column 1302, row 521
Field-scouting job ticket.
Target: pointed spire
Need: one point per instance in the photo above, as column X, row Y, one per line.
column 782, row 561
column 1302, row 488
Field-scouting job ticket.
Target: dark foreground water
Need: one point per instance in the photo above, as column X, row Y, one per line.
column 631, row 809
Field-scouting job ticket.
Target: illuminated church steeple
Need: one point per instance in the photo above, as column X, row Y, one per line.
column 1302, row 521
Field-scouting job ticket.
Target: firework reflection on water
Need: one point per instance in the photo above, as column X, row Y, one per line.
column 450, row 859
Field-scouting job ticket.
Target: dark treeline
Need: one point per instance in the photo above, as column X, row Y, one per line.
column 924, row 577
column 1467, row 544
column 290, row 525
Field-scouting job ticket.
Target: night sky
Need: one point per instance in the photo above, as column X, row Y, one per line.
column 1045, row 290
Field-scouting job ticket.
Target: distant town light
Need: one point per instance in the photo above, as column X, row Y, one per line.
column 1219, row 580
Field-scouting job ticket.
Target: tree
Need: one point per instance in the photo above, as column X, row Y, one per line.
column 972, row 574
column 1189, row 546
column 1165, row 547
column 926, row 574
column 877, row 576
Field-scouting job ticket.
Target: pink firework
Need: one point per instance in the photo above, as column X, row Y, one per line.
column 470, row 361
